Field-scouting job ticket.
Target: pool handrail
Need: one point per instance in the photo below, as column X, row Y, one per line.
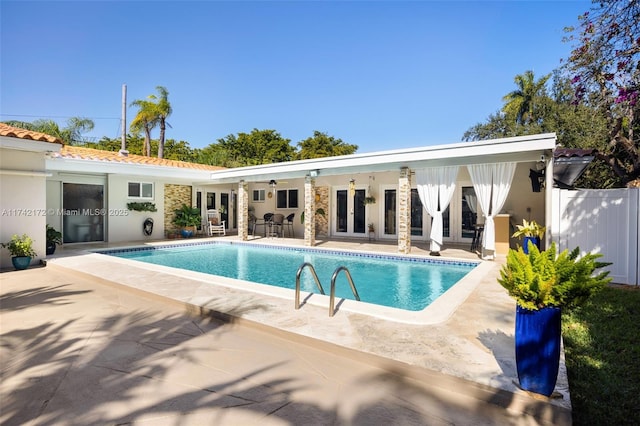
column 332, row 296
column 315, row 277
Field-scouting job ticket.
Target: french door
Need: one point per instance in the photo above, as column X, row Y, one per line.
column 349, row 212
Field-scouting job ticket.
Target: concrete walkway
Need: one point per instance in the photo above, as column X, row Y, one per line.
column 80, row 350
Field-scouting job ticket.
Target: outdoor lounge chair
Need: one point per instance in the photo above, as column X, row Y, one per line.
column 215, row 226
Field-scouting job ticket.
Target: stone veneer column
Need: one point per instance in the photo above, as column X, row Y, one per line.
column 174, row 197
column 243, row 210
column 309, row 211
column 404, row 211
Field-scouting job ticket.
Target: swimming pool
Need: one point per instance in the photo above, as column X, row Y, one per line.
column 402, row 282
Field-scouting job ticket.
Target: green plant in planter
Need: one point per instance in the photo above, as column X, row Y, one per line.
column 20, row 246
column 369, row 199
column 21, row 249
column 187, row 217
column 53, row 237
column 543, row 283
column 145, row 206
column 529, row 229
column 529, row 232
column 540, row 279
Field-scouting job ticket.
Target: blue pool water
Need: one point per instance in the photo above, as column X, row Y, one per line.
column 400, row 282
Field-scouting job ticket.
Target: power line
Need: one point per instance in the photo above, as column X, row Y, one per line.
column 57, row 116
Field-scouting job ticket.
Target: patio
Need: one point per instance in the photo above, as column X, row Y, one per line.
column 466, row 363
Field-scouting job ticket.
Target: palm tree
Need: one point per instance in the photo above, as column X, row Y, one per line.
column 146, row 119
column 521, row 102
column 71, row 135
column 153, row 111
column 164, row 110
column 75, row 127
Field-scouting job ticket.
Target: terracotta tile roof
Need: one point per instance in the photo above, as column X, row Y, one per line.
column 81, row 153
column 16, row 132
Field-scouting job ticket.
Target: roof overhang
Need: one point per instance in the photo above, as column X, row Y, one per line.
column 18, row 144
column 516, row 149
column 72, row 165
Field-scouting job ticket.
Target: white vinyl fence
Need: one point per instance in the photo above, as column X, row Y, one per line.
column 601, row 221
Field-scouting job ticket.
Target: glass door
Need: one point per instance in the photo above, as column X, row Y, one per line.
column 390, row 216
column 83, row 208
column 224, row 208
column 469, row 212
column 350, row 213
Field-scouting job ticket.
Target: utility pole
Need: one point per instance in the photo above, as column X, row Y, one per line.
column 123, row 145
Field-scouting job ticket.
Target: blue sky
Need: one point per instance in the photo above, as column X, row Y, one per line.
column 380, row 74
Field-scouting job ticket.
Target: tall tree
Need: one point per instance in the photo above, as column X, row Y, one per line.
column 323, row 145
column 257, row 147
column 145, row 120
column 605, row 69
column 164, row 111
column 522, row 102
column 152, row 112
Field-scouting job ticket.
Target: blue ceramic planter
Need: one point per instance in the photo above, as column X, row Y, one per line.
column 525, row 243
column 186, row 233
column 538, row 336
column 21, row 262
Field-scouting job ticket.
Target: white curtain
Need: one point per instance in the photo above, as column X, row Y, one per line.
column 491, row 183
column 472, row 202
column 435, row 188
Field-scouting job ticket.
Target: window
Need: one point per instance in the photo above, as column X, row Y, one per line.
column 141, row 190
column 258, row 195
column 287, row 199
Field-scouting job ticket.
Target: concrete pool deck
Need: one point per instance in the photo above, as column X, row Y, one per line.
column 460, row 370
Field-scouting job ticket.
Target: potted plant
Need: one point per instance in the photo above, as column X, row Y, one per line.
column 145, row 206
column 21, row 248
column 369, row 199
column 54, row 238
column 187, row 218
column 543, row 283
column 530, row 232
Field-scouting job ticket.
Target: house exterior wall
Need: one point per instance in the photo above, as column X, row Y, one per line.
column 124, row 224
column 23, row 199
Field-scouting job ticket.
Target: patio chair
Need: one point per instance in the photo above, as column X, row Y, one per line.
column 275, row 227
column 288, row 225
column 264, row 222
column 476, row 243
column 214, row 224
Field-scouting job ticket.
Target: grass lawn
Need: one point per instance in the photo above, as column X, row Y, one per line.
column 602, row 349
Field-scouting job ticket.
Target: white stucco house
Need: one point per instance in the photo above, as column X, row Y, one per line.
column 433, row 195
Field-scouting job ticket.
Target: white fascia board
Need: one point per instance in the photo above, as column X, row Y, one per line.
column 28, row 145
column 107, row 167
column 519, row 149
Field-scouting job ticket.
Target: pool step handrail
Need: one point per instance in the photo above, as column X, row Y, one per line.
column 332, row 296
column 315, row 277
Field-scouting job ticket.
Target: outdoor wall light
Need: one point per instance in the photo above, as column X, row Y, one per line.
column 314, row 173
column 352, row 187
